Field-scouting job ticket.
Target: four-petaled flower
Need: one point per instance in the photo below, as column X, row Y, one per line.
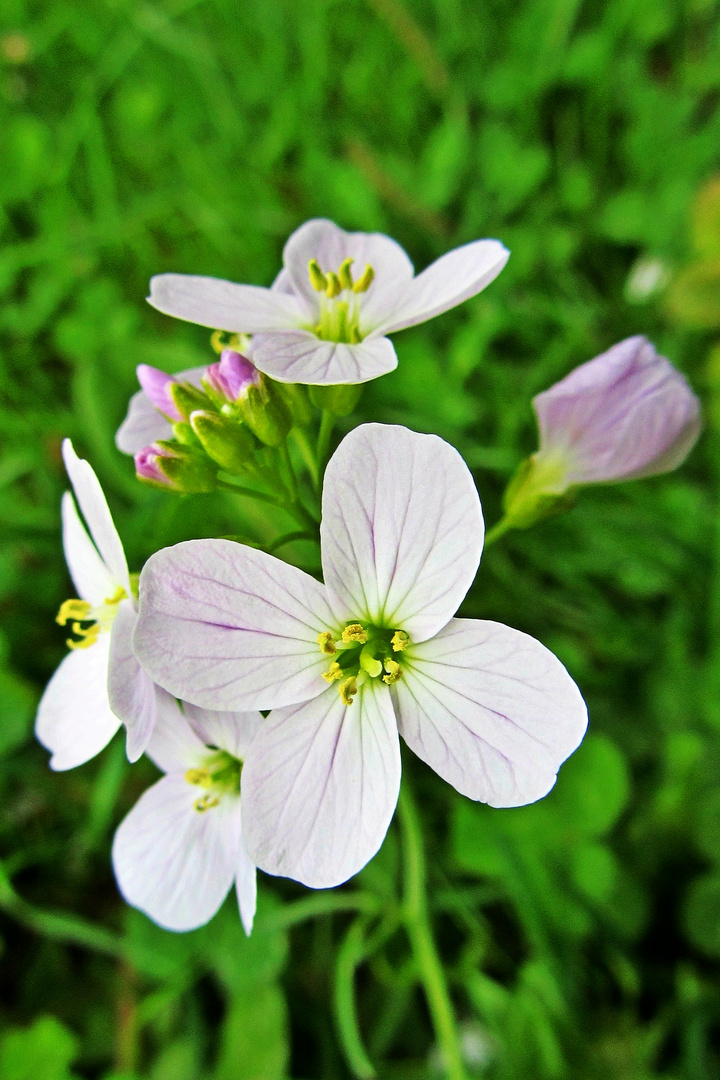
column 327, row 316
column 180, row 848
column 345, row 664
column 100, row 683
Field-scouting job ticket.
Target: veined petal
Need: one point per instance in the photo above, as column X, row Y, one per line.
column 97, row 514
column 490, row 709
column 131, row 691
column 246, row 888
column 228, row 627
column 174, row 745
column 231, row 731
column 320, row 786
column 174, row 862
column 330, row 245
column 402, row 529
column 223, row 305
column 447, row 282
column 143, row 424
column 74, row 719
column 90, row 575
column 302, row 357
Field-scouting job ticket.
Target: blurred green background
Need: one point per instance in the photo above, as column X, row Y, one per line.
column 581, row 935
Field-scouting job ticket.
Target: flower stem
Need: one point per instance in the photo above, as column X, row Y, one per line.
column 327, row 424
column 499, row 529
column 417, row 924
column 307, row 454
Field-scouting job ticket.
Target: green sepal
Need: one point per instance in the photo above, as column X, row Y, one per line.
column 296, row 398
column 265, row 413
column 228, row 443
column 339, row 398
column 527, row 501
column 188, row 398
column 183, row 432
column 188, row 473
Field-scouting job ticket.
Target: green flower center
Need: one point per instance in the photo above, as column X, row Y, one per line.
column 219, row 776
column 362, row 653
column 339, row 301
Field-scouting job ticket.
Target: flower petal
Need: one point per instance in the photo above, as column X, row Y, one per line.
column 131, row 691
column 402, row 529
column 228, row 627
column 174, row 862
column 174, row 745
column 74, row 719
column 246, row 888
column 304, row 358
column 223, row 305
column 447, row 282
column 97, row 514
column 90, row 575
column 320, row 786
column 231, row 731
column 490, row 709
column 330, row 245
column 143, row 424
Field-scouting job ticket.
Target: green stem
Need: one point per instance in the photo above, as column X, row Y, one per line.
column 307, row 454
column 327, row 424
column 311, row 907
column 295, row 509
column 287, row 538
column 56, row 925
column 417, row 924
column 498, row 530
column 352, row 953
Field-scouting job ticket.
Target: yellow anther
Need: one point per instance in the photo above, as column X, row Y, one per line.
column 333, row 672
column 88, row 636
column 73, row 609
column 344, row 273
column 200, row 777
column 364, row 282
column 399, row 641
column 354, row 633
column 206, row 802
column 326, row 643
column 394, row 672
column 317, row 278
column 348, row 690
column 334, row 288
column 117, row 596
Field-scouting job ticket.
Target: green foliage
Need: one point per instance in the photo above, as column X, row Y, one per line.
column 579, row 934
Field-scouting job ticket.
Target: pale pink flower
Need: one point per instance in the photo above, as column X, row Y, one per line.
column 327, row 316
column 346, row 665
column 179, row 850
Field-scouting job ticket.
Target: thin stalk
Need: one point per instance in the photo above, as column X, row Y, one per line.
column 419, row 930
column 307, row 454
column 327, row 424
column 287, row 538
column 294, row 509
column 498, row 530
column 313, row 907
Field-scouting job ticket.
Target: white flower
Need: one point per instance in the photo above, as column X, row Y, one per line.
column 180, row 848
column 346, row 664
column 327, row 316
column 99, row 684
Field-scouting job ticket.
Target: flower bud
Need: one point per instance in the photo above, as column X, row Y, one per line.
column 228, row 443
column 187, row 398
column 173, row 467
column 157, row 385
column 232, row 375
column 628, row 413
column 265, row 413
column 340, row 399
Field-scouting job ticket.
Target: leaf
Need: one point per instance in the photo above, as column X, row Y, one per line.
column 44, row 1050
column 254, row 1039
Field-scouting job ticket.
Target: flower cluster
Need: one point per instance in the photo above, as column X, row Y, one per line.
column 272, row 702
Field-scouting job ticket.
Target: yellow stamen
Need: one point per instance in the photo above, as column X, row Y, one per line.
column 344, row 273
column 206, row 802
column 394, row 672
column 333, row 672
column 326, row 643
column 348, row 690
column 399, row 641
column 88, row 636
column 354, row 633
column 201, row 777
column 334, row 288
column 72, row 609
column 317, row 278
column 117, row 596
column 364, row 282
column 221, row 339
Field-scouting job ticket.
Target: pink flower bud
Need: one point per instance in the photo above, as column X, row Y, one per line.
column 156, row 385
column 627, row 413
column 232, row 376
column 146, row 466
